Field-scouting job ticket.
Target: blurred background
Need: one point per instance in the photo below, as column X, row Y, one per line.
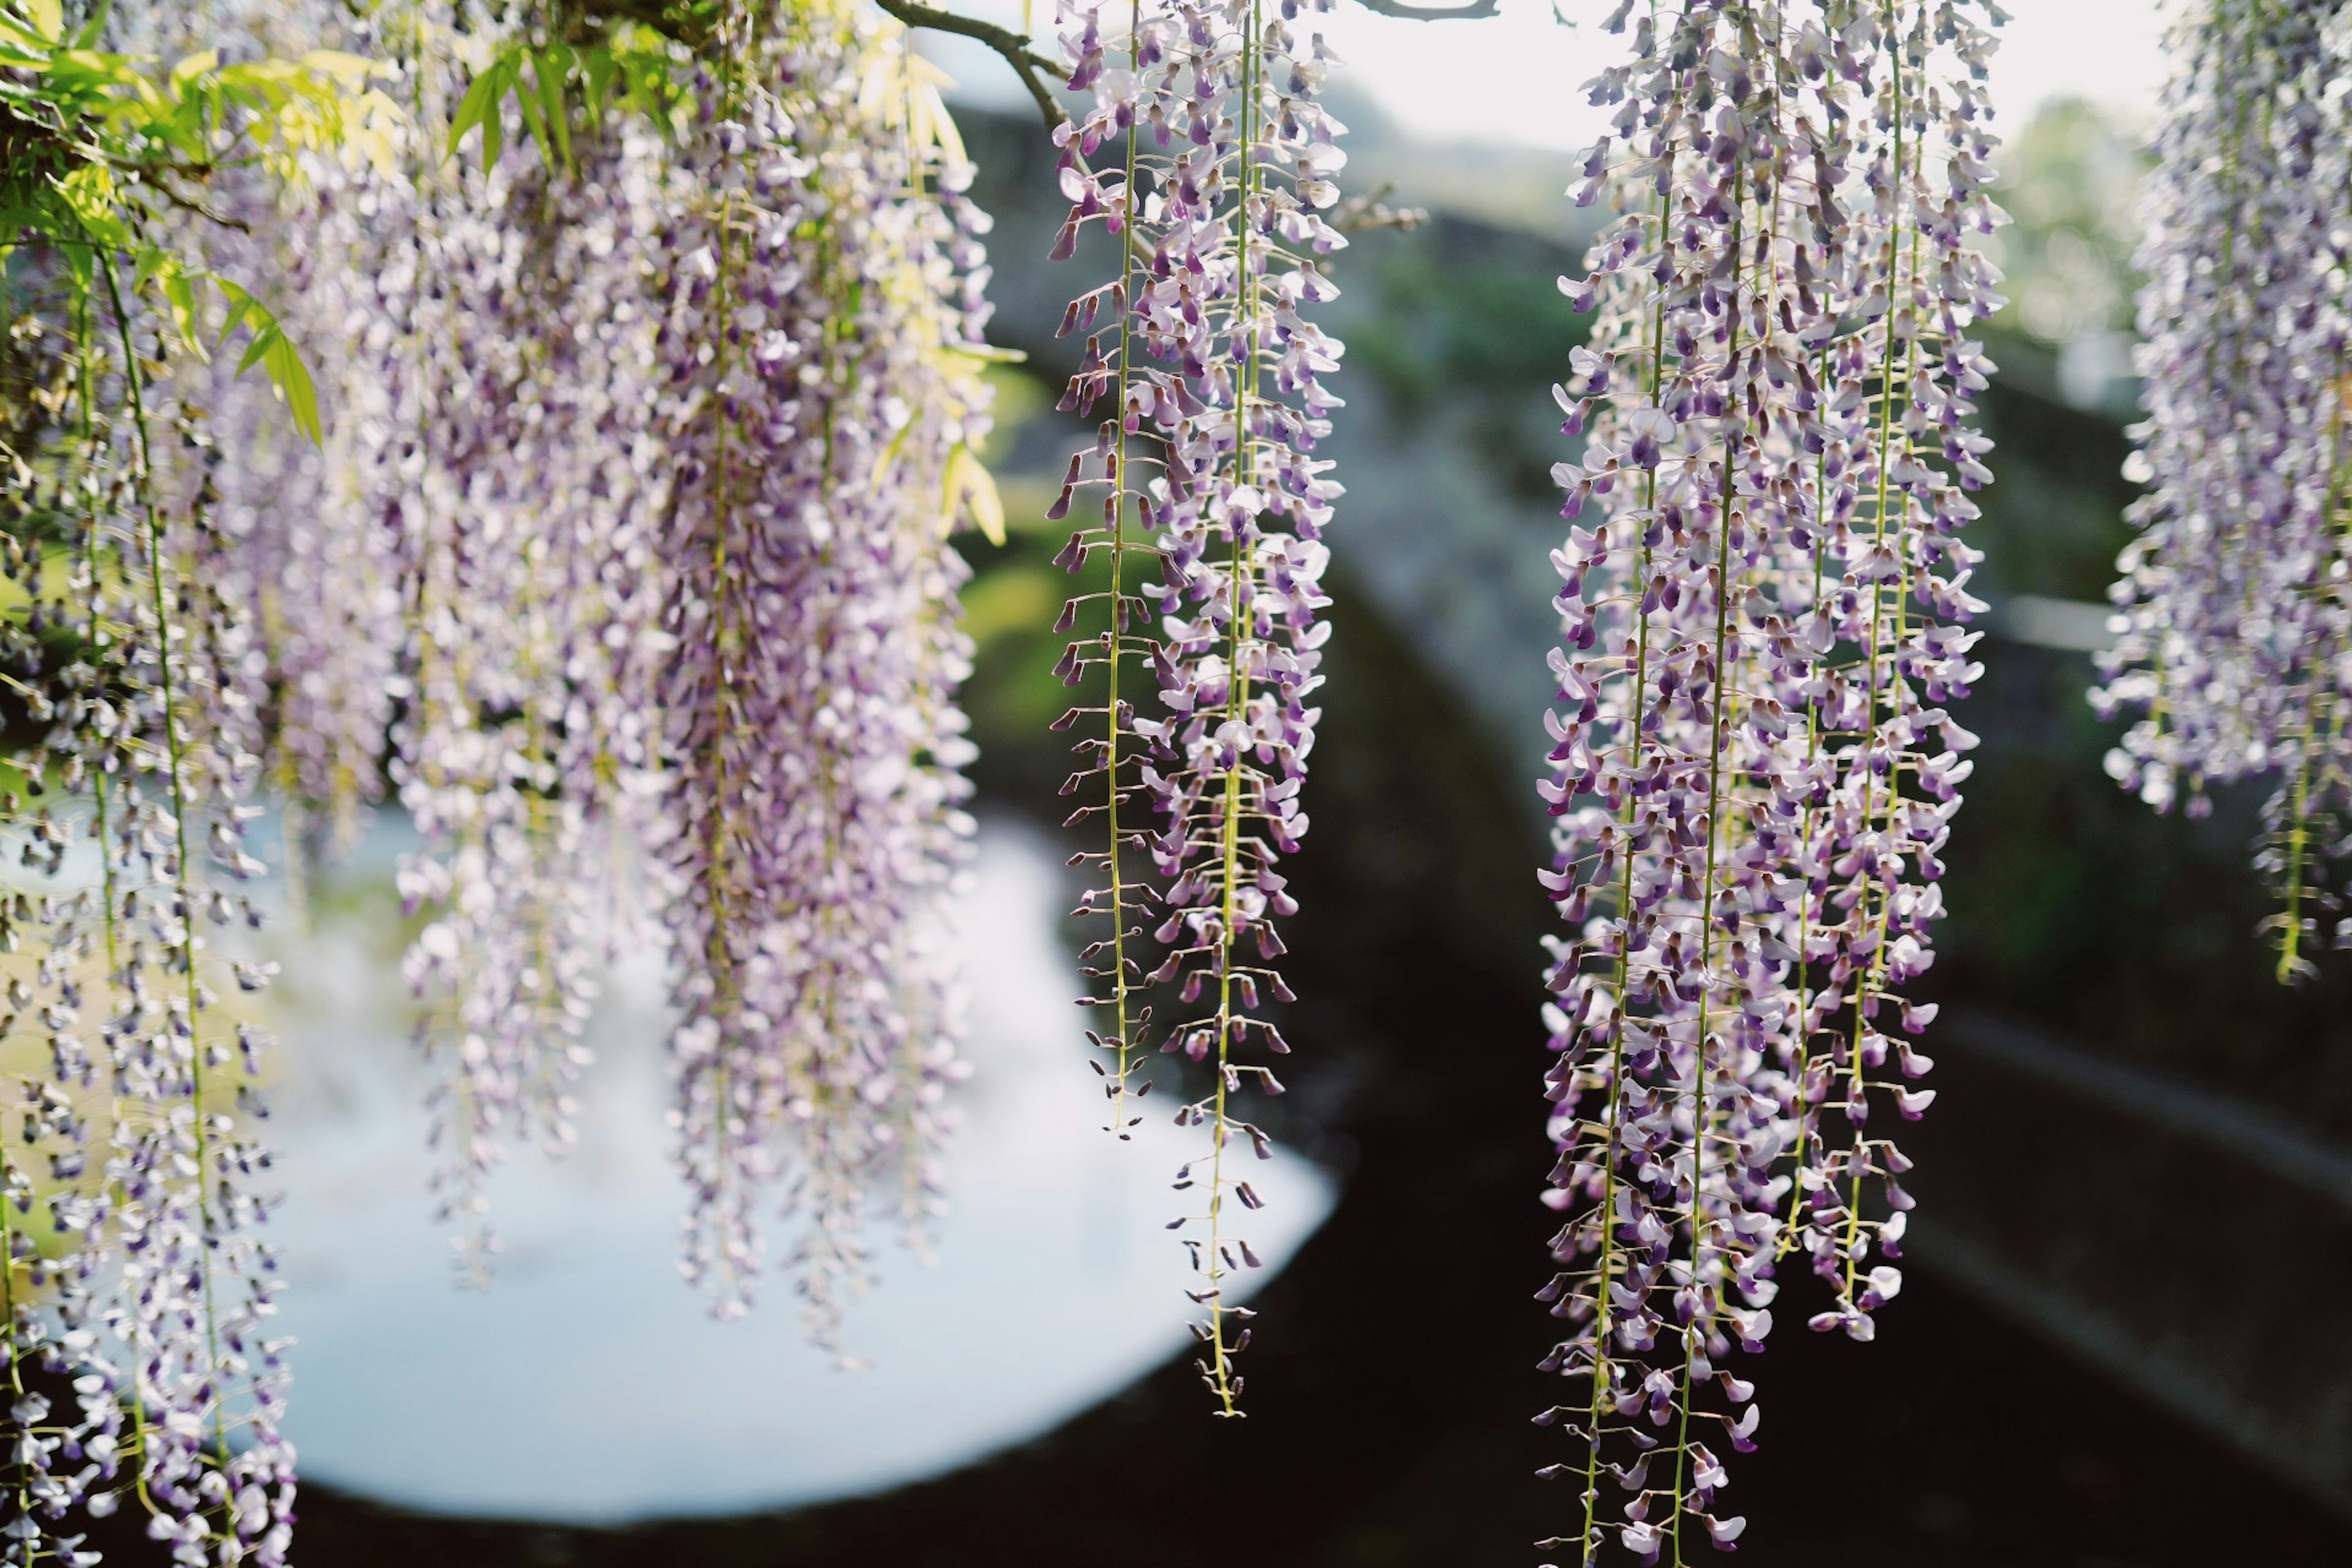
column 2126, row 1338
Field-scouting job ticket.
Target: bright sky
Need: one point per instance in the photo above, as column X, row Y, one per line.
column 1514, row 77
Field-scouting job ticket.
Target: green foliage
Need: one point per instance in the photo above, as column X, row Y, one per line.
column 1458, row 338
column 546, row 78
column 98, row 149
column 583, row 61
column 2072, row 190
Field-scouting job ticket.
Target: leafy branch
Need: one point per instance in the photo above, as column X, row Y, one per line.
column 689, row 23
column 1035, row 69
column 94, row 145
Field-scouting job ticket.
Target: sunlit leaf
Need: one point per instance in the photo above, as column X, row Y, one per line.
column 971, row 492
column 550, row 69
column 179, row 289
column 480, row 107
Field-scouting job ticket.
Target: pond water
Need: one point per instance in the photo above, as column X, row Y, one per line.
column 588, row 1384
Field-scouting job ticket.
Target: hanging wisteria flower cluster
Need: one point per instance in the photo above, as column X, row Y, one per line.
column 647, row 476
column 626, row 526
column 136, row 1287
column 821, row 406
column 1755, row 771
column 452, row 565
column 2234, row 646
column 614, row 533
column 1206, row 158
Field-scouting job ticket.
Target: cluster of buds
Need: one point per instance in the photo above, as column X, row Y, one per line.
column 1754, row 769
column 1207, row 159
column 2234, row 646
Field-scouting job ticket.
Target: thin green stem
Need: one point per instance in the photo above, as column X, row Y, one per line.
column 134, row 384
column 1702, row 1116
column 1856, row 1087
column 1638, row 695
column 1120, row 988
column 88, row 397
column 1241, row 643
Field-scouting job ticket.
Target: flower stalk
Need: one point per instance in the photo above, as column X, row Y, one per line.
column 1754, row 768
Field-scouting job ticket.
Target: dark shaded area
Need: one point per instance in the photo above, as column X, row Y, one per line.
column 2132, row 933
column 2252, row 1350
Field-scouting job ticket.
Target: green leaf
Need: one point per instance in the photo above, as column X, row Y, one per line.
column 596, row 70
column 240, row 305
column 283, row 364
column 293, row 379
column 553, row 65
column 968, row 487
column 195, row 66
column 179, row 291
column 534, row 123
column 275, row 352
column 347, row 67
column 480, row 107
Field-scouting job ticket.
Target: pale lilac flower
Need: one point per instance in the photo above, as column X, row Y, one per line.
column 1207, row 154
column 156, row 1296
column 821, row 393
column 629, row 522
column 2234, row 633
column 1753, row 770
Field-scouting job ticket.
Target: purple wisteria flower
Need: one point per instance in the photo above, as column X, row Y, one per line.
column 822, row 393
column 628, row 524
column 2234, row 643
column 139, row 1146
column 1207, row 154
column 317, row 546
column 1754, row 767
column 462, row 564
column 659, row 442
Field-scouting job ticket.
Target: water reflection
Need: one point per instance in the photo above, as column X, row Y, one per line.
column 588, row 1385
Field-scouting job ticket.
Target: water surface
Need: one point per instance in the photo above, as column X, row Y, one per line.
column 589, row 1385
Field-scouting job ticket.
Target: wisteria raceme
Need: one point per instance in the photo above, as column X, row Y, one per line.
column 525, row 758
column 825, row 409
column 1216, row 164
column 511, row 554
column 1754, row 769
column 152, row 1305
column 485, row 561
column 756, row 674
column 2235, row 629
column 319, row 554
column 467, row 536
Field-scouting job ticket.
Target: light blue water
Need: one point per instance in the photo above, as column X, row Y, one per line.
column 589, row 1385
